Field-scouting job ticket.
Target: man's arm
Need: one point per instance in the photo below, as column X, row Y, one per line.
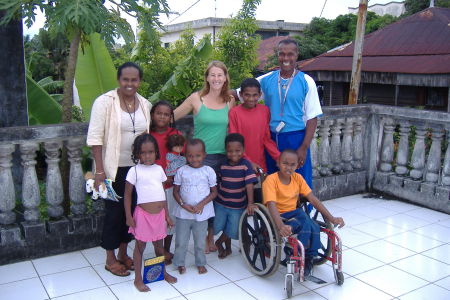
column 311, row 126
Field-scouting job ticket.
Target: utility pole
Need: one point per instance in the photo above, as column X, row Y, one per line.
column 357, row 53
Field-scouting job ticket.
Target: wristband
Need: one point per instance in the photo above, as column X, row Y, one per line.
column 99, row 173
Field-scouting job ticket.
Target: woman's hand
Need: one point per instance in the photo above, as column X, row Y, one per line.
column 98, row 180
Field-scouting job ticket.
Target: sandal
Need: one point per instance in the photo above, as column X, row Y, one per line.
column 128, row 263
column 117, row 269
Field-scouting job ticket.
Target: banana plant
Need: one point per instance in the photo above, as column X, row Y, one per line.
column 42, row 107
column 179, row 85
column 95, row 73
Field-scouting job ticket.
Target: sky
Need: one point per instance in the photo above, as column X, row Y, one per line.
column 300, row 11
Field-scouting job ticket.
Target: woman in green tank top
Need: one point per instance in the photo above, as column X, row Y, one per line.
column 210, row 108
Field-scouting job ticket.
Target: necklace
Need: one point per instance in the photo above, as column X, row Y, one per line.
column 133, row 118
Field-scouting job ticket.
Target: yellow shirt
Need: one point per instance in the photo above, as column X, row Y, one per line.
column 284, row 195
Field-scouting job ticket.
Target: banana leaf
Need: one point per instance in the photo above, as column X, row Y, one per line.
column 177, row 86
column 42, row 108
column 95, row 73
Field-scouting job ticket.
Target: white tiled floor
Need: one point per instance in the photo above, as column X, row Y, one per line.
column 392, row 250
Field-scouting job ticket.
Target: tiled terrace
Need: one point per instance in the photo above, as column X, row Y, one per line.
column 392, row 250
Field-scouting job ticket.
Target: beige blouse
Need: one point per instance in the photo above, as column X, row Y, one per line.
column 104, row 128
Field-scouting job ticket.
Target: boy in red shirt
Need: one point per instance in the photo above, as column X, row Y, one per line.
column 251, row 120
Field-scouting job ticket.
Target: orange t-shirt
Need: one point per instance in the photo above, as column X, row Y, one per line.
column 285, row 196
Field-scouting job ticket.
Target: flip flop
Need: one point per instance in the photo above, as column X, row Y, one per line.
column 117, row 269
column 128, row 263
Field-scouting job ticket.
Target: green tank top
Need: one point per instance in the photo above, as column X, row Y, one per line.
column 210, row 125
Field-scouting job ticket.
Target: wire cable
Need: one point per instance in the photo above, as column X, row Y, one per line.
column 183, row 12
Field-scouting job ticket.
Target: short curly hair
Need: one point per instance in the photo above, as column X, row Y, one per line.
column 137, row 146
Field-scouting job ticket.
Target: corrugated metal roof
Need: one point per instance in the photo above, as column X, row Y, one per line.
column 418, row 44
column 266, row 49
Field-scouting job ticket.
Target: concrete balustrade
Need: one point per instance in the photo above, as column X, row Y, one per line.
column 392, row 150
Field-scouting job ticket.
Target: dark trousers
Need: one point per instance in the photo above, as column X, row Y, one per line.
column 115, row 229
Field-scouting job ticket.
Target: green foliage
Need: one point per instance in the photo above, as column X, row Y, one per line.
column 414, row 6
column 187, row 75
column 237, row 43
column 95, row 73
column 42, row 108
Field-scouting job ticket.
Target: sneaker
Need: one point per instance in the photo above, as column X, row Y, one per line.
column 308, row 265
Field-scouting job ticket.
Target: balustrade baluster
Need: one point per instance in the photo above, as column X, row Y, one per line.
column 357, row 144
column 324, row 148
column 434, row 156
column 346, row 150
column 402, row 151
column 7, row 192
column 418, row 155
column 54, row 187
column 446, row 168
column 314, row 149
column 30, row 185
column 387, row 148
column 77, row 193
column 336, row 146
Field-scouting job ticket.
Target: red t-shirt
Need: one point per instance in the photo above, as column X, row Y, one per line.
column 161, row 139
column 253, row 124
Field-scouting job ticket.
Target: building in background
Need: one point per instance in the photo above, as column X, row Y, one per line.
column 266, row 29
column 406, row 63
column 394, row 8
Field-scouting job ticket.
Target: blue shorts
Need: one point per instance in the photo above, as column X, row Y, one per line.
column 227, row 220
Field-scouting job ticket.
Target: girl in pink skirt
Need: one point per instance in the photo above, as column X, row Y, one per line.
column 151, row 216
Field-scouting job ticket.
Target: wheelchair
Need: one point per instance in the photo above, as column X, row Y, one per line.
column 262, row 246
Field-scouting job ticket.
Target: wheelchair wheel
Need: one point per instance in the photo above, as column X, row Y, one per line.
column 289, row 283
column 325, row 248
column 260, row 242
column 339, row 277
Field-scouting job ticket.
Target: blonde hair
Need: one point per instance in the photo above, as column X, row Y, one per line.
column 226, row 85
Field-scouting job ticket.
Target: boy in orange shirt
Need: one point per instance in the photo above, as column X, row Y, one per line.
column 281, row 191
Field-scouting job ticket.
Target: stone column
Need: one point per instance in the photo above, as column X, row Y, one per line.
column 314, row 152
column 434, row 156
column 446, row 168
column 357, row 144
column 30, row 186
column 346, row 150
column 77, row 193
column 403, row 149
column 54, row 186
column 7, row 192
column 324, row 148
column 418, row 155
column 387, row 148
column 336, row 146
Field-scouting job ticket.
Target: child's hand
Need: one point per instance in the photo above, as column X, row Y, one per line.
column 131, row 222
column 198, row 209
column 251, row 209
column 285, row 230
column 189, row 208
column 169, row 222
column 338, row 222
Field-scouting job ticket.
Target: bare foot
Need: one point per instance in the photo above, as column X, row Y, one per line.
column 141, row 286
column 202, row 270
column 226, row 253
column 181, row 270
column 221, row 250
column 169, row 278
column 212, row 247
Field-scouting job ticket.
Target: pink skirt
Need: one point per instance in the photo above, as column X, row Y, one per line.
column 149, row 227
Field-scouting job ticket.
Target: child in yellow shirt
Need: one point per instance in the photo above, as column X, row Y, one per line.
column 281, row 191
